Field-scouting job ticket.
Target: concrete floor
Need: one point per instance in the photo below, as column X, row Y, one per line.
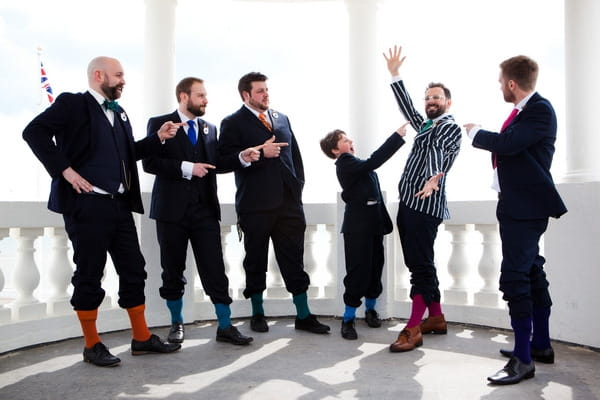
column 285, row 364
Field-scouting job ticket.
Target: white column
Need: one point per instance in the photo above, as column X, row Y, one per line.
column 362, row 38
column 582, row 57
column 458, row 266
column 159, row 64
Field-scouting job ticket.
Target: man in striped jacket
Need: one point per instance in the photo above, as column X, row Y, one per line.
column 422, row 205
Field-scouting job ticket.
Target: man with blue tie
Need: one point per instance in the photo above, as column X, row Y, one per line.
column 186, row 208
column 423, row 205
column 85, row 142
column 521, row 156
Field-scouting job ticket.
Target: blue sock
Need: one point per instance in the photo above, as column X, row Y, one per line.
column 223, row 315
column 522, row 330
column 541, row 330
column 301, row 303
column 257, row 304
column 349, row 313
column 370, row 303
column 176, row 307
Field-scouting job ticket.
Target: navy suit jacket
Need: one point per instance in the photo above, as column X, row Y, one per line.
column 260, row 186
column 63, row 136
column 360, row 185
column 171, row 190
column 524, row 152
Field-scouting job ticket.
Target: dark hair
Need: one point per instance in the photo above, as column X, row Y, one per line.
column 245, row 83
column 185, row 86
column 330, row 142
column 521, row 69
column 440, row 85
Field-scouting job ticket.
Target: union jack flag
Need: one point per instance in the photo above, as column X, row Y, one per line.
column 46, row 84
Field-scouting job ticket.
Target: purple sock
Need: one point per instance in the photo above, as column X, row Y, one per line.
column 522, row 330
column 541, row 330
column 417, row 311
column 435, row 309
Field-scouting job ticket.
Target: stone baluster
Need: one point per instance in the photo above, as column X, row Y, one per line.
column 401, row 274
column 328, row 272
column 233, row 254
column 26, row 275
column 59, row 272
column 489, row 266
column 4, row 312
column 458, row 266
column 311, row 267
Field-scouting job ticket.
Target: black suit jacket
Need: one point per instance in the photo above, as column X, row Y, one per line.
column 64, row 136
column 524, row 154
column 260, row 187
column 360, row 185
column 171, row 190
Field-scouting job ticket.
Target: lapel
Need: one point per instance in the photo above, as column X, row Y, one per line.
column 260, row 130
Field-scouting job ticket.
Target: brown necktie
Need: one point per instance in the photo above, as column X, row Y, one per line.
column 263, row 119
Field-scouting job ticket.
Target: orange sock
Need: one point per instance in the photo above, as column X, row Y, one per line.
column 87, row 319
column 140, row 330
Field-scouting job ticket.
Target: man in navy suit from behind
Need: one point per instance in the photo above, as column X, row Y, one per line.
column 522, row 155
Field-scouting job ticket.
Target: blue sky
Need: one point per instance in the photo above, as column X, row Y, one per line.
column 303, row 47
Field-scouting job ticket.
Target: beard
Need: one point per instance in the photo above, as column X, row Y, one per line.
column 434, row 111
column 111, row 92
column 198, row 111
column 257, row 105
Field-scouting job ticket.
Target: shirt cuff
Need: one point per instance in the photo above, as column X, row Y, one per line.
column 396, row 78
column 474, row 130
column 244, row 163
column 187, row 169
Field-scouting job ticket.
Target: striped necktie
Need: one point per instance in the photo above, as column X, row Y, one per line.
column 263, row 119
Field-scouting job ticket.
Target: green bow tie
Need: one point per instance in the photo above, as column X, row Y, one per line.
column 111, row 105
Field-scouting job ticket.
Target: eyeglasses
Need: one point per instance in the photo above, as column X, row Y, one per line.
column 436, row 97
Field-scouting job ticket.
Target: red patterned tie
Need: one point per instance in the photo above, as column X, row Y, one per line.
column 511, row 116
column 263, row 119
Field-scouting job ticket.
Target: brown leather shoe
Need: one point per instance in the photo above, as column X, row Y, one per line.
column 435, row 325
column 408, row 339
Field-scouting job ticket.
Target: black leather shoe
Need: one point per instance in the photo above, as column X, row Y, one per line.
column 176, row 333
column 372, row 318
column 100, row 356
column 348, row 331
column 232, row 335
column 153, row 345
column 545, row 356
column 258, row 323
column 310, row 324
column 514, row 372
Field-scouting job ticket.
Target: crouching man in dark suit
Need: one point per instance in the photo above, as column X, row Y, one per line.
column 366, row 221
column 186, row 208
column 85, row 142
column 521, row 156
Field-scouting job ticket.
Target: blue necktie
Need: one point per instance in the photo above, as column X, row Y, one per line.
column 192, row 131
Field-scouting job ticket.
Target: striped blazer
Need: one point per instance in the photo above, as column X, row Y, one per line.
column 434, row 150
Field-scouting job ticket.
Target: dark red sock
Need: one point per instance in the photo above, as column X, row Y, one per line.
column 417, row 311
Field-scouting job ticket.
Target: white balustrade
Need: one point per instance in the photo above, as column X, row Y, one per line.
column 489, row 266
column 26, row 275
column 233, row 255
column 4, row 312
column 275, row 286
column 310, row 259
column 458, row 265
column 59, row 272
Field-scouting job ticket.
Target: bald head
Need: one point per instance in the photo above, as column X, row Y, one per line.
column 106, row 76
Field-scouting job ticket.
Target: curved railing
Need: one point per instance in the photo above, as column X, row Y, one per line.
column 36, row 267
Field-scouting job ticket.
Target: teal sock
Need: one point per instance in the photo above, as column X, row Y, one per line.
column 176, row 307
column 257, row 304
column 349, row 313
column 370, row 304
column 301, row 303
column 223, row 315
